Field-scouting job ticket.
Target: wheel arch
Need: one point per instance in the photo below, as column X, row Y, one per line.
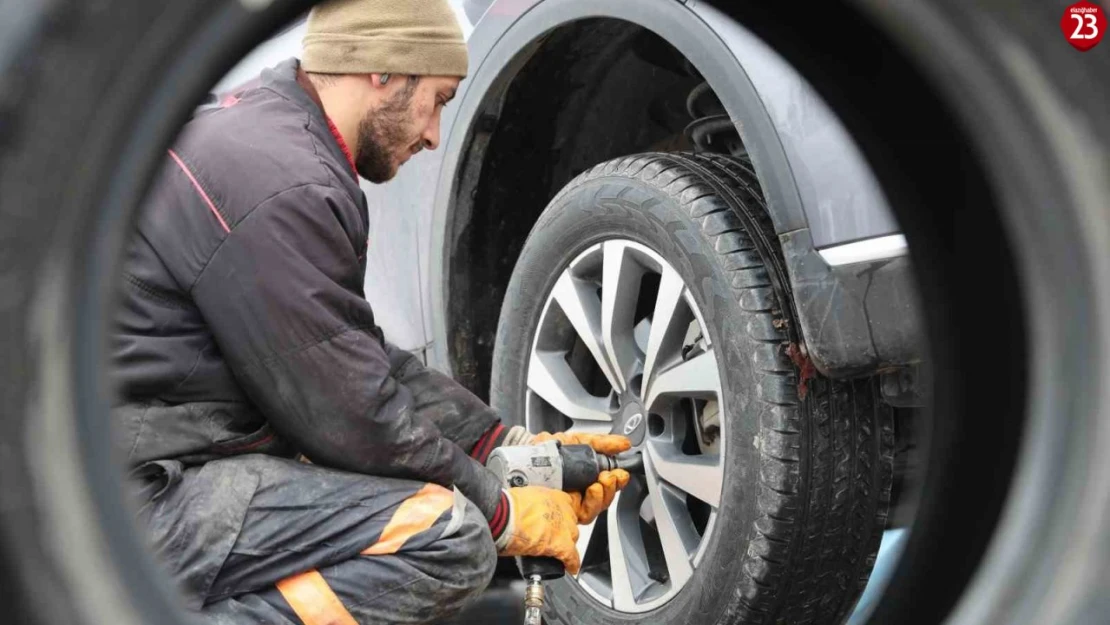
column 542, row 107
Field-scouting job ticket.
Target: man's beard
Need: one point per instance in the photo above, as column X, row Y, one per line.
column 380, row 135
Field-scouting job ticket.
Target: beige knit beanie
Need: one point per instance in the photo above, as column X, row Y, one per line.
column 419, row 37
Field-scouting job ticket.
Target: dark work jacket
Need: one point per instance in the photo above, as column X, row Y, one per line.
column 244, row 327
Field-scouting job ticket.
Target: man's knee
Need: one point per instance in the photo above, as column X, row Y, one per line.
column 464, row 559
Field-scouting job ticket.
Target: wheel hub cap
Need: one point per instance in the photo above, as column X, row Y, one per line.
column 632, row 422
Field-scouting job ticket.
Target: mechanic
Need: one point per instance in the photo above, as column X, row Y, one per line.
column 291, row 464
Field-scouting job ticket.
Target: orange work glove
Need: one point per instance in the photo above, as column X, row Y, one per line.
column 542, row 522
column 608, row 444
column 599, row 495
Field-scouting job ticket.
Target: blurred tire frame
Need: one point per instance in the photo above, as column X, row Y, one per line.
column 989, row 134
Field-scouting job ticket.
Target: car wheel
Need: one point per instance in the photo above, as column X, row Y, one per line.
column 650, row 300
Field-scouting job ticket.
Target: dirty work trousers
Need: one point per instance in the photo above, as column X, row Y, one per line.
column 259, row 539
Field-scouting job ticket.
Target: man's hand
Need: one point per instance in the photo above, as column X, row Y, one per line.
column 543, row 522
column 599, row 495
column 608, row 444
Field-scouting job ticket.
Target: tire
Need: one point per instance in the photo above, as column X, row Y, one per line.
column 803, row 509
column 138, row 68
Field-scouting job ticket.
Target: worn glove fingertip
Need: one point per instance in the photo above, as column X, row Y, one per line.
column 613, row 445
column 573, row 565
column 595, row 493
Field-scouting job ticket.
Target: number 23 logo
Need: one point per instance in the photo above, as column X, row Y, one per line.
column 1091, row 24
column 1083, row 25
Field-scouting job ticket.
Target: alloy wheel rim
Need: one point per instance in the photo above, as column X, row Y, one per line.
column 622, row 347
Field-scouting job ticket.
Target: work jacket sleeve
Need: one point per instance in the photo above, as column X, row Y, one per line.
column 459, row 415
column 283, row 298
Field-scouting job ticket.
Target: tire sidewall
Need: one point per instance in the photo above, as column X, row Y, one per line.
column 621, row 208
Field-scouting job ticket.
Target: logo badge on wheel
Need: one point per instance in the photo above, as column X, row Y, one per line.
column 633, row 422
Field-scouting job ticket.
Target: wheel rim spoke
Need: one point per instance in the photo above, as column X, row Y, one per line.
column 668, row 326
column 621, row 574
column 701, row 476
column 677, row 534
column 582, row 307
column 591, row 427
column 697, row 377
column 550, row 377
column 585, row 532
column 620, row 286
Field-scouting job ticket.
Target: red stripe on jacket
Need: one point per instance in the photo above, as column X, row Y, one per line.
column 484, row 446
column 200, row 190
column 342, row 145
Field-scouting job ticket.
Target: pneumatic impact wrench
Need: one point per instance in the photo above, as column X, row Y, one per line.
column 570, row 468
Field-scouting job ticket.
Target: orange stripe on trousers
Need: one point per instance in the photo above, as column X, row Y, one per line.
column 414, row 515
column 314, row 601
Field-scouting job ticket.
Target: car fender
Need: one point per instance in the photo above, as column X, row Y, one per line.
column 816, row 184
